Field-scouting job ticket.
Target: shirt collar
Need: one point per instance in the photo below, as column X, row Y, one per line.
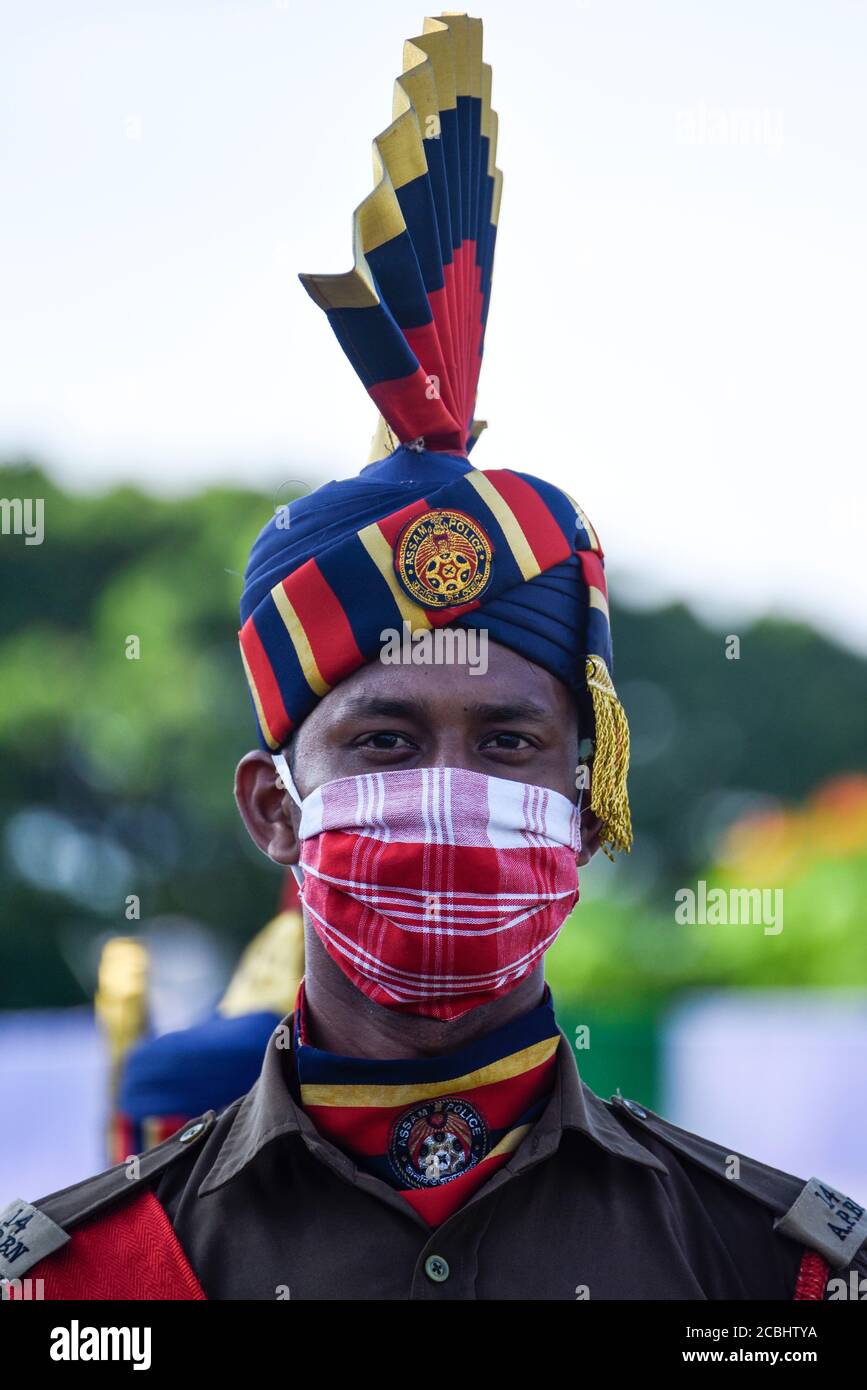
column 574, row 1106
column 269, row 1110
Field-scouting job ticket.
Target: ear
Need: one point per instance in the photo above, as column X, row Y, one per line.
column 591, row 836
column 266, row 808
column 591, row 825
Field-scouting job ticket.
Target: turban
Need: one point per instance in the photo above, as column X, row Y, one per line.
column 421, row 536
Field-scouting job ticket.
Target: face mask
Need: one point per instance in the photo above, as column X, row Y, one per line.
column 436, row 889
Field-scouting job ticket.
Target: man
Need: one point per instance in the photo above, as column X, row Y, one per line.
column 419, row 1129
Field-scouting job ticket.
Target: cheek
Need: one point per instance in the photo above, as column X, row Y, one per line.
column 318, row 763
column 566, row 772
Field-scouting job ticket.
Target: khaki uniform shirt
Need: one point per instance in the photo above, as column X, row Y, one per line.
column 591, row 1204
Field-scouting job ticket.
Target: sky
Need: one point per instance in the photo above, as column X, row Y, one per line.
column 677, row 328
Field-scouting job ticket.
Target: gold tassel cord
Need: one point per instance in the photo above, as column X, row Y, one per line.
column 608, row 795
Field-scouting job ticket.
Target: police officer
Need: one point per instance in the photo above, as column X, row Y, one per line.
column 428, row 649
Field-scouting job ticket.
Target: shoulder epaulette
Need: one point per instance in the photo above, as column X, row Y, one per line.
column 813, row 1213
column 31, row 1230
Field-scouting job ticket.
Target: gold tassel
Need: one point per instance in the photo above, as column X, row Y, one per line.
column 608, row 795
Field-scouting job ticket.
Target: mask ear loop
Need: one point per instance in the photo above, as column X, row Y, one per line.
column 582, row 768
column 282, row 765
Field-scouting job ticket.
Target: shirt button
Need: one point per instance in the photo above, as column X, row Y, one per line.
column 436, row 1268
column 190, row 1134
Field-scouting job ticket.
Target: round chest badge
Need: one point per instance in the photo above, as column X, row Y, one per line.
column 443, row 559
column 437, row 1141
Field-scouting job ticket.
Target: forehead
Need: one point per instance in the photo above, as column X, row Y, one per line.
column 447, row 691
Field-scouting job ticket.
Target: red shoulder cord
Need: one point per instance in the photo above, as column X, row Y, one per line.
column 812, row 1276
column 129, row 1252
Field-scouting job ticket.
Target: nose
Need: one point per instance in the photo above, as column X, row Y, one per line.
column 448, row 747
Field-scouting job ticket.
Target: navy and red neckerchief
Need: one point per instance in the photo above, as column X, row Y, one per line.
column 433, row 1128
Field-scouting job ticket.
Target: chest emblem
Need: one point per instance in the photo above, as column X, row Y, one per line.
column 437, row 1141
column 443, row 559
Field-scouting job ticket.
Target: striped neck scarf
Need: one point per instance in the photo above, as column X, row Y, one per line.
column 434, row 1128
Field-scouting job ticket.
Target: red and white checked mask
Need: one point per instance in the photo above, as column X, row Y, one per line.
column 436, row 889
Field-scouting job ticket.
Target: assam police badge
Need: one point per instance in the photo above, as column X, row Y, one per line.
column 443, row 559
column 437, row 1141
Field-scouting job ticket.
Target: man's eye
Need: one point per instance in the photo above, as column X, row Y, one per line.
column 506, row 741
column 385, row 740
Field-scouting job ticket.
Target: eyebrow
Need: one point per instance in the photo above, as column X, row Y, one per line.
column 504, row 712
column 391, row 709
column 511, row 710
